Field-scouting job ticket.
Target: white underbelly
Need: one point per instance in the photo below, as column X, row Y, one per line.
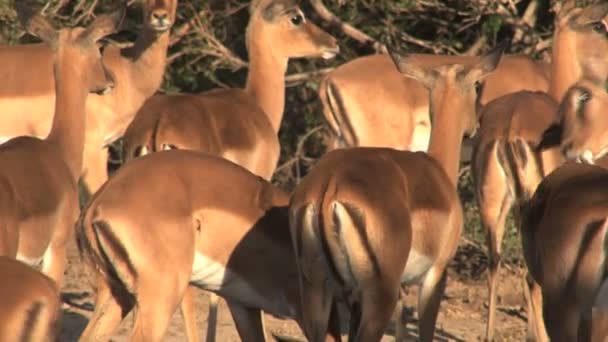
column 416, row 268
column 213, row 276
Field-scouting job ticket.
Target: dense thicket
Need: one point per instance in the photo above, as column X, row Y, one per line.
column 208, row 47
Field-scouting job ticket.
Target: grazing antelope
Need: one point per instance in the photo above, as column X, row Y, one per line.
column 27, row 93
column 506, row 168
column 240, row 125
column 366, row 102
column 564, row 224
column 366, row 220
column 30, row 308
column 215, row 225
column 40, row 176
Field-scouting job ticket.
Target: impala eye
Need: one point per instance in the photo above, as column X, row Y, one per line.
column 297, row 19
column 478, row 87
column 599, row 27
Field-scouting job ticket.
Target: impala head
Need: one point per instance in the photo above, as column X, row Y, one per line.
column 582, row 133
column 160, row 14
column 79, row 46
column 585, row 31
column 454, row 87
column 286, row 32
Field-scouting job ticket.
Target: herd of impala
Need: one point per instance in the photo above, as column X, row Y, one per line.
column 371, row 217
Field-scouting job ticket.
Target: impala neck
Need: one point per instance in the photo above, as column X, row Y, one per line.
column 564, row 68
column 148, row 57
column 266, row 82
column 446, row 137
column 68, row 128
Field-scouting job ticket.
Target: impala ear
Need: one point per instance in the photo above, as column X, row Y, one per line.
column 104, row 25
column 409, row 67
column 40, row 27
column 487, row 64
column 551, row 137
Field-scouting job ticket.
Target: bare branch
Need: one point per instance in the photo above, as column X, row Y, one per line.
column 347, row 29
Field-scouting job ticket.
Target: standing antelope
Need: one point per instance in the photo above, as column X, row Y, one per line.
column 30, row 309
column 564, row 226
column 506, row 168
column 27, row 94
column 366, row 102
column 366, row 220
column 40, row 176
column 240, row 125
column 211, row 224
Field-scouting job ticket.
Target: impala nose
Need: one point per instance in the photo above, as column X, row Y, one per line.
column 160, row 20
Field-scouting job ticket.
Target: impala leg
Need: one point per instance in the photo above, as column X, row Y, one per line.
column 188, row 310
column 399, row 321
column 54, row 262
column 429, row 299
column 373, row 316
column 562, row 318
column 156, row 303
column 110, row 310
column 316, row 307
column 95, row 163
column 248, row 322
column 334, row 332
column 212, row 318
column 536, row 323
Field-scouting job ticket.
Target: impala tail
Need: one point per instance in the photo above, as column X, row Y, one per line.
column 101, row 250
column 335, row 114
column 520, row 164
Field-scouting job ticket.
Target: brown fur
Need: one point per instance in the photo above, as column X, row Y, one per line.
column 391, row 111
column 27, row 94
column 366, row 220
column 30, row 309
column 506, row 166
column 239, row 125
column 211, row 207
column 41, row 183
column 564, row 231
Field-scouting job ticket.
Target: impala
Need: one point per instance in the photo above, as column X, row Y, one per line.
column 366, row 220
column 505, row 166
column 27, row 94
column 30, row 307
column 214, row 225
column 366, row 102
column 40, row 176
column 564, row 225
column 240, row 125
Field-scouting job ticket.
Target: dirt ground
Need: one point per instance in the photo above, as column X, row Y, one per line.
column 462, row 314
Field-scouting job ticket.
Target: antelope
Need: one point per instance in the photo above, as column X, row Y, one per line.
column 366, row 220
column 506, row 167
column 27, row 94
column 40, row 177
column 563, row 226
column 216, row 226
column 240, row 125
column 363, row 109
column 30, row 309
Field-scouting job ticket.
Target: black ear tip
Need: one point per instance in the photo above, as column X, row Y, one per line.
column 502, row 46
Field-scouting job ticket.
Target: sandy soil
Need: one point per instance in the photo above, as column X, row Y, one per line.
column 462, row 314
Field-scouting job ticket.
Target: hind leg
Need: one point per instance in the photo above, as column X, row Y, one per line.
column 429, row 298
column 157, row 300
column 494, row 204
column 536, row 323
column 189, row 314
column 369, row 321
column 212, row 318
column 110, row 309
